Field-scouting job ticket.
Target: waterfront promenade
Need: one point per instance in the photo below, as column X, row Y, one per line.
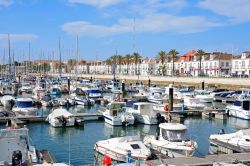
column 239, row 82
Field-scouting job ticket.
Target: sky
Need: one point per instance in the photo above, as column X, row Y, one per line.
column 126, row 26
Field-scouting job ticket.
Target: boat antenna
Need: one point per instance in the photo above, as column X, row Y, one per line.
column 69, row 147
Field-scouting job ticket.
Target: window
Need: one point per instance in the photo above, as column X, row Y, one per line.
column 243, row 64
column 135, row 146
column 222, row 64
column 227, row 64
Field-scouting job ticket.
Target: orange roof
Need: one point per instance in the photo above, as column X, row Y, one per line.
column 187, row 57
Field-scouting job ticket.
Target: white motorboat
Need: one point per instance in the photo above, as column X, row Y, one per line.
column 115, row 114
column 39, row 92
column 161, row 107
column 61, row 101
column 192, row 103
column 8, row 101
column 16, row 148
column 155, row 95
column 117, row 148
column 61, row 118
column 55, row 90
column 144, row 113
column 94, row 93
column 184, row 91
column 240, row 139
column 26, row 87
column 240, row 109
column 82, row 100
column 24, row 107
column 171, row 141
column 142, row 94
column 46, row 101
column 203, row 96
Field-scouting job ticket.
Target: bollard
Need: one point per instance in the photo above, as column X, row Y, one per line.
column 171, row 102
column 202, row 85
column 91, row 79
column 123, row 89
column 149, row 82
column 69, row 85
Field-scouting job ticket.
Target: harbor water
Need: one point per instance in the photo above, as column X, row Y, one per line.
column 76, row 144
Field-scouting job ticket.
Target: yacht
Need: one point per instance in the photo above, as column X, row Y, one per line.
column 39, row 92
column 144, row 113
column 24, row 107
column 16, row 148
column 26, row 87
column 171, row 141
column 118, row 148
column 240, row 139
column 155, row 95
column 94, row 93
column 61, row 118
column 203, row 96
column 240, row 109
column 192, row 103
column 115, row 114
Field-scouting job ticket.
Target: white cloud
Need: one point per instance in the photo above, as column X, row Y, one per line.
column 6, row 3
column 18, row 37
column 236, row 10
column 98, row 3
column 152, row 23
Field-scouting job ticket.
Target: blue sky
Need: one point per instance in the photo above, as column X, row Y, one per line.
column 104, row 26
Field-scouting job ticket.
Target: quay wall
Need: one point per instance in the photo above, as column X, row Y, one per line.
column 227, row 82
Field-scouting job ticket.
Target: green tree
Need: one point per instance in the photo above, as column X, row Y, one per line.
column 200, row 53
column 173, row 55
column 136, row 59
column 127, row 60
column 161, row 57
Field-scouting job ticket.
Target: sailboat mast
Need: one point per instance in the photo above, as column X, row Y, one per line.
column 60, row 60
column 9, row 76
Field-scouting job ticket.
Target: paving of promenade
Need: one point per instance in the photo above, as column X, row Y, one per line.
column 240, row 82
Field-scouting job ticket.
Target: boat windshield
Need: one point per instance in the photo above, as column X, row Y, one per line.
column 174, row 135
column 116, row 106
column 201, row 93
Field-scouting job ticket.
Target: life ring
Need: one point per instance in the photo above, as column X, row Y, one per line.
column 166, row 108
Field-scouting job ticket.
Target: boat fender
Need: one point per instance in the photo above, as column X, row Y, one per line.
column 107, row 161
column 166, row 108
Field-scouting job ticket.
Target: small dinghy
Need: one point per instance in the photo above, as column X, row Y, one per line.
column 8, row 101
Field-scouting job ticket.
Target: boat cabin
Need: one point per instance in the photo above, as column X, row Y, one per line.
column 115, row 108
column 24, row 103
column 144, row 108
column 244, row 104
column 173, row 131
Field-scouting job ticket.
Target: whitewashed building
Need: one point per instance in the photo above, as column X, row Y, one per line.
column 241, row 64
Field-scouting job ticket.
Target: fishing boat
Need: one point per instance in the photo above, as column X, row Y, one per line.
column 8, row 101
column 115, row 114
column 239, row 139
column 171, row 141
column 16, row 148
column 118, row 148
column 144, row 113
column 61, row 118
column 24, row 107
column 239, row 109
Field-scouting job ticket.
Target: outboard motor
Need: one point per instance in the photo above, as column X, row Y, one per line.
column 222, row 131
column 17, row 158
column 63, row 120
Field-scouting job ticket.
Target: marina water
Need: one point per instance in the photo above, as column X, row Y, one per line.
column 77, row 144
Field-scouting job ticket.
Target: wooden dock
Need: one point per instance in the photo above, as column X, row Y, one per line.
column 37, row 119
column 205, row 161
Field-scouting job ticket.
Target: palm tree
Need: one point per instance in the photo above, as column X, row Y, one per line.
column 119, row 62
column 200, row 53
column 163, row 69
column 173, row 55
column 136, row 59
column 71, row 63
column 127, row 60
column 161, row 57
